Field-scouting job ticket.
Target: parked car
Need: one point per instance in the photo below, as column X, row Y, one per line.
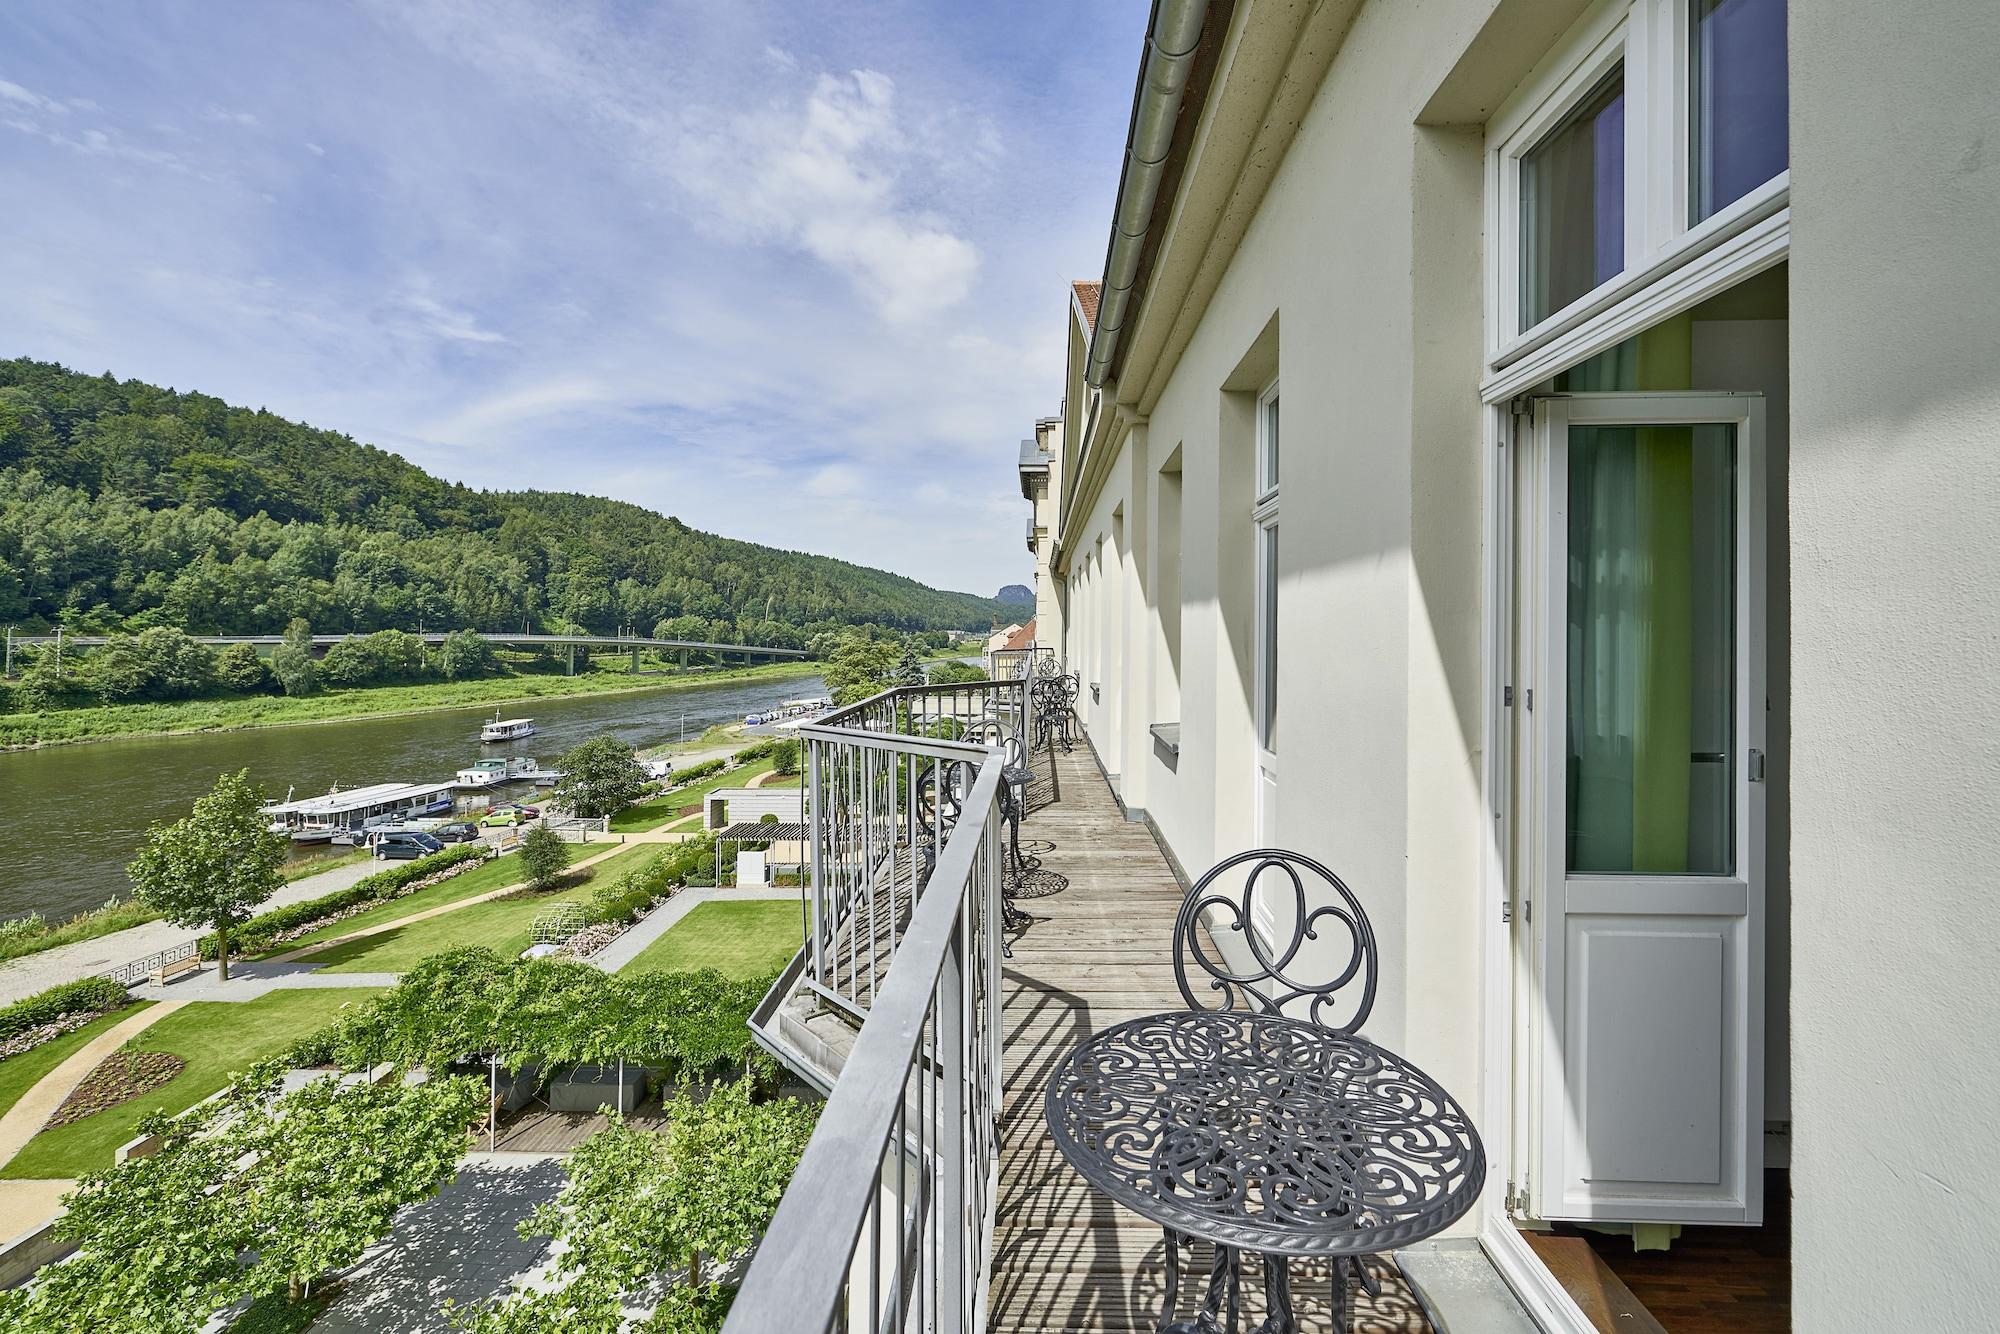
column 458, row 831
column 405, row 845
column 504, row 817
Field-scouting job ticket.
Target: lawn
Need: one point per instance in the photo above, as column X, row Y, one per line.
column 20, row 1073
column 216, row 1039
column 481, row 879
column 505, row 925
column 652, row 814
column 743, row 938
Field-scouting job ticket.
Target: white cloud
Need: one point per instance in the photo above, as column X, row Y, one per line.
column 828, row 172
column 434, row 317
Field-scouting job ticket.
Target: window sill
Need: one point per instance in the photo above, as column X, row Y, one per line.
column 1167, row 736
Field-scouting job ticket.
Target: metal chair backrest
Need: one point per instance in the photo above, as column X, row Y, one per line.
column 1284, row 975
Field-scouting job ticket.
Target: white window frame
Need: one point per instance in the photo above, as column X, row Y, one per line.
column 1264, row 518
column 1651, row 38
column 1268, row 431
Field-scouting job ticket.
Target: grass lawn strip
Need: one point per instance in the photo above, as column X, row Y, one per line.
column 20, row 1073
column 482, row 879
column 504, row 924
column 743, row 938
column 652, row 814
column 230, row 713
column 217, row 1039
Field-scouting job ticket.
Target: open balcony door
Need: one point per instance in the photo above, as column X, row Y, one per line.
column 1648, row 895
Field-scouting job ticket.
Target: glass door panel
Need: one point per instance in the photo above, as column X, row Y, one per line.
column 1651, row 650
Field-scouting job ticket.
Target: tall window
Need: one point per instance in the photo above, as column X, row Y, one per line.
column 1265, row 516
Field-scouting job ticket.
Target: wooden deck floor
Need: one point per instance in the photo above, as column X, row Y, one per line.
column 1065, row 1257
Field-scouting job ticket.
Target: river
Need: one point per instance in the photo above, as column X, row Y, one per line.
column 72, row 816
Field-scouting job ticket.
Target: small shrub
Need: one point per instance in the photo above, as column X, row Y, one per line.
column 544, row 856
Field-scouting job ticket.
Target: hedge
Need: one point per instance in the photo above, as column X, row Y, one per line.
column 84, row 995
column 255, row 935
column 696, row 772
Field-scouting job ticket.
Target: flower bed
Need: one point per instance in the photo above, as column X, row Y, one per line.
column 55, row 1028
column 123, row 1076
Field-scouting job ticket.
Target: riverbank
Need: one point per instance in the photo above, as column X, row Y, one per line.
column 57, row 727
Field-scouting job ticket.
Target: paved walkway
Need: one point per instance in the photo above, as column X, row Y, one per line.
column 37, row 972
column 248, row 981
column 25, row 1205
column 461, row 1244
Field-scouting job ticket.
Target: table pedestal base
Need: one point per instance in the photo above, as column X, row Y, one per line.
column 1221, row 1304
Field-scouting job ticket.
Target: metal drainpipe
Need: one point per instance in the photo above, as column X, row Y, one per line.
column 1170, row 47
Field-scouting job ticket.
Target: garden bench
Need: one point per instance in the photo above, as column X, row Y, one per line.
column 166, row 972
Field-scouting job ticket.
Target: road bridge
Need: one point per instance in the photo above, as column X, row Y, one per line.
column 590, row 643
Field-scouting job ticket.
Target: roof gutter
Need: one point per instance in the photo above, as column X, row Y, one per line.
column 1171, row 42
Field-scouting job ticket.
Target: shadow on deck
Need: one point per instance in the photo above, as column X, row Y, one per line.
column 1098, row 952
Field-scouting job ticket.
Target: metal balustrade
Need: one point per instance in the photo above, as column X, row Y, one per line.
column 886, row 781
column 888, row 1222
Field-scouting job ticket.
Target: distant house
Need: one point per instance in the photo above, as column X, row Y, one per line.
column 1000, row 639
column 745, row 805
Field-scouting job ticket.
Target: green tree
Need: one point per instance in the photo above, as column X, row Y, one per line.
column 250, row 1194
column 464, row 655
column 639, row 1205
column 859, row 668
column 952, row 673
column 292, row 661
column 214, row 867
column 240, row 669
column 544, row 856
column 349, row 664
column 785, row 758
column 909, row 664
column 157, row 663
column 600, row 777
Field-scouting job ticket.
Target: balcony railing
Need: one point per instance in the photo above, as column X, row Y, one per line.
column 888, row 1221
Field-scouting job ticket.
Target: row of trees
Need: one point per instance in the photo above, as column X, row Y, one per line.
column 165, row 664
column 124, row 505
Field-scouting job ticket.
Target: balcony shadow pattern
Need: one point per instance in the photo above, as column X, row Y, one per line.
column 1065, row 1257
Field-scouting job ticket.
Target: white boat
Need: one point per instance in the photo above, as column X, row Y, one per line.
column 344, row 817
column 507, row 729
column 486, row 773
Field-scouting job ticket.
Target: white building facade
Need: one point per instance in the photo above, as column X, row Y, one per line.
column 1540, row 458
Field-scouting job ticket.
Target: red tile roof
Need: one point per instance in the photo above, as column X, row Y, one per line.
column 1022, row 637
column 1086, row 297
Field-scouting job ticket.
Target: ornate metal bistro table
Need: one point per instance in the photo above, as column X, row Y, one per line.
column 1263, row 1134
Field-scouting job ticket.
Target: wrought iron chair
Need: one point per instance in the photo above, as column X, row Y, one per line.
column 1331, row 987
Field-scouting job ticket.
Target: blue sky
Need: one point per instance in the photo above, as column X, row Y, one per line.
column 795, row 273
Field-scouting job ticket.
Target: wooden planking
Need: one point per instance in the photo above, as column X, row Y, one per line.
column 1065, row 1257
column 1599, row 1293
column 1714, row 1280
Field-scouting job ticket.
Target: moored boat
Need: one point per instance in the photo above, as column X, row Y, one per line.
column 507, row 729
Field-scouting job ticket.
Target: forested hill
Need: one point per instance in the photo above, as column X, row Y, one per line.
column 124, row 505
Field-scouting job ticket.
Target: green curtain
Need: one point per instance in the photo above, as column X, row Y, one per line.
column 1631, row 639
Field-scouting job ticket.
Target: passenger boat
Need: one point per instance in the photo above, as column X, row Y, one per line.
column 485, row 773
column 507, row 729
column 345, row 817
column 518, row 769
